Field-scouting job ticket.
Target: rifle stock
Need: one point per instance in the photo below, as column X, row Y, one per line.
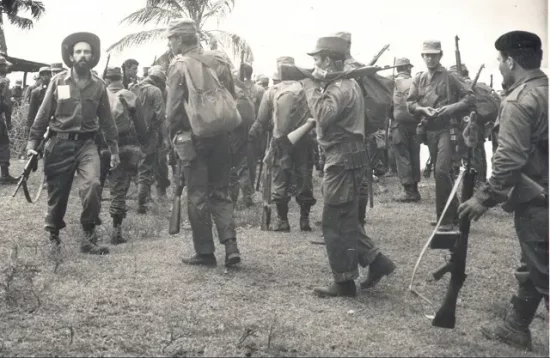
column 295, row 73
column 266, row 188
column 106, row 66
column 175, row 218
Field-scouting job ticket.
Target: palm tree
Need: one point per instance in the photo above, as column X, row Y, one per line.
column 12, row 9
column 160, row 12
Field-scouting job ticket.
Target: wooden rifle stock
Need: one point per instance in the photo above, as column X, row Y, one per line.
column 457, row 57
column 175, row 218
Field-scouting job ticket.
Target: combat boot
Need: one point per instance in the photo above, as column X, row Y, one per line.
column 161, row 193
column 382, row 189
column 143, row 192
column 514, row 330
column 208, row 260
column 337, row 289
column 116, row 235
column 282, row 218
column 232, row 254
column 304, row 217
column 89, row 244
column 362, row 211
column 408, row 195
column 416, row 192
column 5, row 177
column 380, row 267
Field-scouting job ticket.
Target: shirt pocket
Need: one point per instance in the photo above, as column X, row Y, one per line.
column 66, row 107
column 89, row 108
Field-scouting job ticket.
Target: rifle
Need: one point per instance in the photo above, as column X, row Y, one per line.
column 32, row 166
column 106, row 66
column 155, row 60
column 387, row 124
column 241, row 69
column 266, row 186
column 491, row 83
column 295, row 73
column 175, row 219
column 377, row 56
column 457, row 57
column 261, row 166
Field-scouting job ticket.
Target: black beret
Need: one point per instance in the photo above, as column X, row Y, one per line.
column 514, row 40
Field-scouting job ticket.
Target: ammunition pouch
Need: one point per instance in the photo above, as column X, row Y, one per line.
column 353, row 154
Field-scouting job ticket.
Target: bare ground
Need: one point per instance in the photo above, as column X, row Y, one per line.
column 141, row 300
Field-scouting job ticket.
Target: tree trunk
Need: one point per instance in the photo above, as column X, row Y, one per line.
column 3, row 45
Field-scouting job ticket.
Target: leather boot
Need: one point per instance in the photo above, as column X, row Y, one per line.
column 282, row 218
column 514, row 330
column 116, row 235
column 416, row 193
column 362, row 212
column 5, row 177
column 380, row 267
column 208, row 260
column 304, row 217
column 143, row 192
column 89, row 244
column 337, row 289
column 408, row 195
column 232, row 254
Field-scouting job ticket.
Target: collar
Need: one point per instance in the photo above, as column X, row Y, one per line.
column 192, row 48
column 530, row 75
column 71, row 75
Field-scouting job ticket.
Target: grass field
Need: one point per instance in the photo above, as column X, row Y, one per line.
column 142, row 301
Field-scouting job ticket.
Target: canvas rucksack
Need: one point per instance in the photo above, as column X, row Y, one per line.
column 487, row 102
column 378, row 92
column 121, row 114
column 245, row 104
column 289, row 107
column 211, row 110
column 401, row 113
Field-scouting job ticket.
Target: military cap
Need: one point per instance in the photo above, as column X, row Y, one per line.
column 113, row 72
column 56, row 67
column 518, row 39
column 18, row 82
column 343, row 35
column 158, row 72
column 73, row 39
column 330, row 44
column 285, row 60
column 262, row 79
column 181, row 26
column 44, row 69
column 462, row 66
column 4, row 62
column 403, row 61
column 431, row 46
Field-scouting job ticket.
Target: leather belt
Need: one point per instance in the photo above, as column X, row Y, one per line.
column 74, row 136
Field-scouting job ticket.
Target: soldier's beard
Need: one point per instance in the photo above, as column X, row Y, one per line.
column 81, row 67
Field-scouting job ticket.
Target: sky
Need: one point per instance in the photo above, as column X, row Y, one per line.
column 290, row 27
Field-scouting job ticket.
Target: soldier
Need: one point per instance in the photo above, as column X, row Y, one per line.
column 522, row 150
column 406, row 146
column 37, row 95
column 241, row 176
column 150, row 95
column 56, row 68
column 253, row 148
column 132, row 131
column 428, row 100
column 130, row 70
column 262, row 81
column 17, row 92
column 206, row 161
column 75, row 107
column 5, row 123
column 338, row 109
column 286, row 104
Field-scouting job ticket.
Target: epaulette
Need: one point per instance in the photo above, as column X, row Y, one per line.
column 514, row 95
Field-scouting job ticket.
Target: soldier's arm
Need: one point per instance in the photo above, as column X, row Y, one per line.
column 33, row 108
column 465, row 97
column 325, row 107
column 176, row 87
column 139, row 124
column 42, row 119
column 5, row 101
column 512, row 154
column 159, row 109
column 413, row 97
column 265, row 111
column 107, row 123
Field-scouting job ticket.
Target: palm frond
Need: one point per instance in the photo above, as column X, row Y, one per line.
column 21, row 22
column 233, row 44
column 220, row 9
column 137, row 38
column 164, row 60
column 173, row 5
column 36, row 8
column 150, row 14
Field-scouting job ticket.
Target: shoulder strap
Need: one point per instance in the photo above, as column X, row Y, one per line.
column 208, row 61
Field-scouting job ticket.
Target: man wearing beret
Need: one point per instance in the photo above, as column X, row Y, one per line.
column 406, row 146
column 37, row 95
column 206, row 161
column 437, row 97
column 5, row 123
column 75, row 107
column 150, row 95
column 338, row 109
column 285, row 104
column 522, row 153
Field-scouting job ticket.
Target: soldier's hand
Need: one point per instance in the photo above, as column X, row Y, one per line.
column 445, row 111
column 31, row 152
column 471, row 209
column 428, row 111
column 312, row 121
column 115, row 161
